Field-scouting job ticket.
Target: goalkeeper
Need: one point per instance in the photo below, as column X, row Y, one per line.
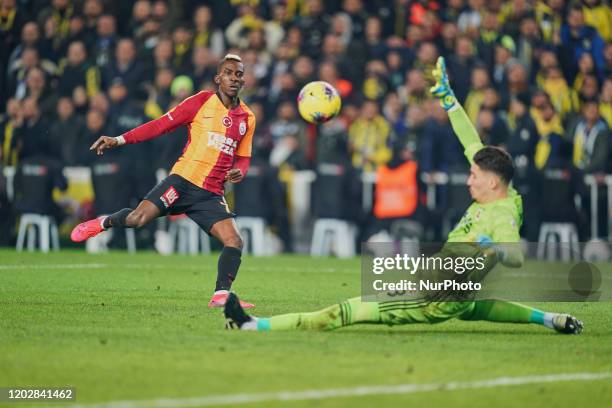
column 488, row 228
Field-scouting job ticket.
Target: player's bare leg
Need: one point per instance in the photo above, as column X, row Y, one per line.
column 127, row 217
column 227, row 232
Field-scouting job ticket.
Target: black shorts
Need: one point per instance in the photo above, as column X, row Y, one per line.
column 175, row 195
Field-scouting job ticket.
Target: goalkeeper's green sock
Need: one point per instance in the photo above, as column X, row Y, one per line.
column 508, row 312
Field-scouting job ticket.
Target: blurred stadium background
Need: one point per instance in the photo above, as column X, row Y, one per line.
column 534, row 76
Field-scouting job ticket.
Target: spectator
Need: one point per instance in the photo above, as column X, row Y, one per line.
column 504, row 51
column 563, row 98
column 181, row 38
column 68, row 138
column 33, row 135
column 314, row 24
column 237, row 33
column 589, row 135
column 577, row 39
column 78, row 72
column 414, row 91
column 342, row 28
column 369, row 139
column 37, row 89
column 518, row 85
column 141, row 11
column 426, row 57
column 374, row 45
column 287, row 122
column 549, row 15
column 521, row 145
column 528, row 43
column 126, row 114
column 12, row 19
column 60, row 12
column 30, row 38
column 605, row 104
column 597, row 15
column 106, row 40
column 492, row 128
column 9, row 122
column 100, row 103
column 357, row 15
column 17, row 74
column 205, row 35
column 586, row 66
column 95, row 126
column 589, row 88
column 397, row 69
column 447, row 39
column 125, row 68
column 162, row 58
column 469, row 20
column 159, row 98
column 488, row 39
column 479, row 82
column 608, row 60
column 375, row 85
column 92, row 11
column 460, row 66
column 549, row 149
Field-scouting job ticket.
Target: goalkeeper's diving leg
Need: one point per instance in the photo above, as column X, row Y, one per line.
column 354, row 311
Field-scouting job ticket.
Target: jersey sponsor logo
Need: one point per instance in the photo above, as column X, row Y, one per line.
column 222, row 143
column 226, row 121
column 242, row 128
column 169, row 197
column 465, row 223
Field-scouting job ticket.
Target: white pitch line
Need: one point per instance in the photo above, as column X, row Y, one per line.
column 54, row 266
column 345, row 392
column 157, row 266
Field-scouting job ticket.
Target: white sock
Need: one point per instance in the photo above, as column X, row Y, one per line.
column 102, row 219
column 250, row 325
column 548, row 320
column 221, row 292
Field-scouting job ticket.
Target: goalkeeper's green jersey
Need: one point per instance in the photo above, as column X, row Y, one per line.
column 500, row 219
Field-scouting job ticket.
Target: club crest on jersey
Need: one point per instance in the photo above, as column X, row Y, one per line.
column 226, row 121
column 169, row 197
column 242, row 128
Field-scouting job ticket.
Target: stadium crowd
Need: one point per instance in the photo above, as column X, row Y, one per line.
column 534, row 76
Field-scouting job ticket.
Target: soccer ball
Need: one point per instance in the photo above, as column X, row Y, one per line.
column 318, row 102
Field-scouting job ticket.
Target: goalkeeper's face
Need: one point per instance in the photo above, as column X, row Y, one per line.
column 484, row 185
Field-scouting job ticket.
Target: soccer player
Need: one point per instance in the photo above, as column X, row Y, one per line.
column 221, row 130
column 487, row 228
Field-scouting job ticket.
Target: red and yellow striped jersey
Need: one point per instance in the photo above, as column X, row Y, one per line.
column 218, row 137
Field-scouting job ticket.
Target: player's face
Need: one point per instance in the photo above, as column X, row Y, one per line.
column 480, row 183
column 231, row 78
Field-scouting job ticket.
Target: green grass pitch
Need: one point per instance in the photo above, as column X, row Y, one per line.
column 137, row 328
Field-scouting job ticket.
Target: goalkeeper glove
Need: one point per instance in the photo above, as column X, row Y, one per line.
column 485, row 242
column 442, row 89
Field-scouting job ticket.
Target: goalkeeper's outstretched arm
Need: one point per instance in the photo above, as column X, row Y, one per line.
column 463, row 127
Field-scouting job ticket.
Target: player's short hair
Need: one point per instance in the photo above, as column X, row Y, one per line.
column 497, row 161
column 228, row 57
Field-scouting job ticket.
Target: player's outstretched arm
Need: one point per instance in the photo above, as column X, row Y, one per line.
column 104, row 143
column 463, row 127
